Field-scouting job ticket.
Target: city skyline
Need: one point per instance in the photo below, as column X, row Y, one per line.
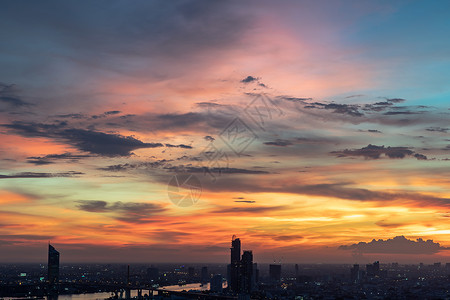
column 154, row 131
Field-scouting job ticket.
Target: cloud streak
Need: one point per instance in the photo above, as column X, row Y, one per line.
column 377, row 152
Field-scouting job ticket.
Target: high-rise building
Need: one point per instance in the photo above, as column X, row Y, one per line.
column 354, row 273
column 216, row 283
column 246, row 274
column 376, row 266
column 242, row 273
column 205, row 275
column 255, row 274
column 53, row 265
column 275, row 272
column 373, row 269
column 235, row 264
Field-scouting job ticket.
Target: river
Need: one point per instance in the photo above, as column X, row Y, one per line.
column 102, row 296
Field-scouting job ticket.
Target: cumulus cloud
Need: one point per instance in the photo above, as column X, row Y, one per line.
column 249, row 79
column 396, row 245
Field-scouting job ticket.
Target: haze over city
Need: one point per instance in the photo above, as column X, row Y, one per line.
column 153, row 131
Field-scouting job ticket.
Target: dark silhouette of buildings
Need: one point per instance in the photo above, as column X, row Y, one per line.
column 205, row 275
column 355, row 273
column 373, row 269
column 246, row 274
column 255, row 275
column 53, row 271
column 275, row 272
column 53, row 265
column 191, row 273
column 216, row 283
column 235, row 264
column 242, row 271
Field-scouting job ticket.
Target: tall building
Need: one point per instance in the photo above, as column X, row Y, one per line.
column 275, row 272
column 53, row 265
column 354, row 273
column 255, row 274
column 235, row 264
column 246, row 274
column 373, row 269
column 216, row 283
column 205, row 275
column 242, row 272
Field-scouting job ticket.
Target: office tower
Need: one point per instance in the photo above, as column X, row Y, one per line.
column 370, row 270
column 235, row 264
column 376, row 267
column 296, row 270
column 152, row 273
column 354, row 273
column 255, row 274
column 53, row 265
column 205, row 275
column 373, row 269
column 246, row 274
column 275, row 272
column 216, row 283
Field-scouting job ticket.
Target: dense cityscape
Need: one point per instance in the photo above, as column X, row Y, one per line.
column 242, row 278
column 224, row 149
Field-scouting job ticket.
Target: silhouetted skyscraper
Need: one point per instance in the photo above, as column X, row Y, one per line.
column 354, row 273
column 216, row 283
column 373, row 269
column 205, row 275
column 275, row 272
column 235, row 264
column 246, row 272
column 53, row 266
column 255, row 274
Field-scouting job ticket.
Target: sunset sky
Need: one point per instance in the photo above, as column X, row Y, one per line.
column 311, row 126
